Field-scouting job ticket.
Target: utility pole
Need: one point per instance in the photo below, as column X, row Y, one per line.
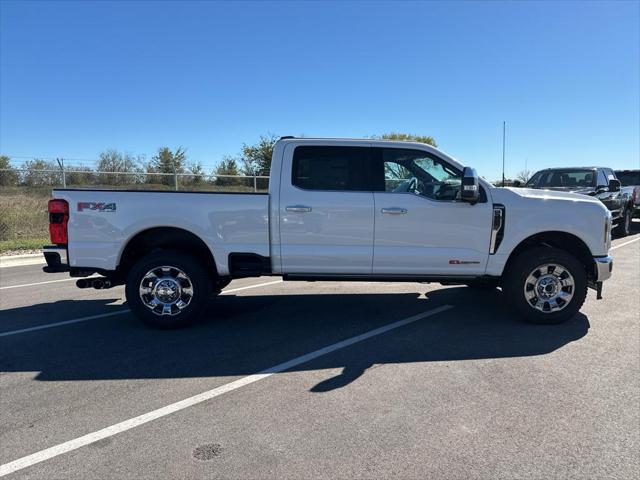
column 175, row 174
column 64, row 177
column 504, row 128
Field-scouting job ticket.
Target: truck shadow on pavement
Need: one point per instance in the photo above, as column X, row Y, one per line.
column 250, row 333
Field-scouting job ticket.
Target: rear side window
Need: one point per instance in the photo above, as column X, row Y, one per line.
column 331, row 168
column 628, row 177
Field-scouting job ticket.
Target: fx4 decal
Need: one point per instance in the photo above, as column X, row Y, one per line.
column 97, row 206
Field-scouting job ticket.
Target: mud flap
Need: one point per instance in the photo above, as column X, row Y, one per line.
column 597, row 286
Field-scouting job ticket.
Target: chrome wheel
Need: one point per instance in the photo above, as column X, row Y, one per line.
column 549, row 288
column 166, row 290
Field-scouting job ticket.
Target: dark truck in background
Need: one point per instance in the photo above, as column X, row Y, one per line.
column 599, row 182
column 630, row 180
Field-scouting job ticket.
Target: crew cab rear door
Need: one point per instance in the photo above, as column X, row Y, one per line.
column 421, row 225
column 326, row 209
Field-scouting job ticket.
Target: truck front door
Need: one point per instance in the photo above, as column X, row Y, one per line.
column 611, row 200
column 326, row 210
column 421, row 225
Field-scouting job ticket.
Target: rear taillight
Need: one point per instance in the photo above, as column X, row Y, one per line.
column 58, row 218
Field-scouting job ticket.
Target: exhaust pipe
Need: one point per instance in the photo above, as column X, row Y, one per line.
column 101, row 283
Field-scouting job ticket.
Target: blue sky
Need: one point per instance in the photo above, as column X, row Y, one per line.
column 78, row 78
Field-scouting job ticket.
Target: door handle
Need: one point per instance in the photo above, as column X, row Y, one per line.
column 298, row 208
column 394, row 211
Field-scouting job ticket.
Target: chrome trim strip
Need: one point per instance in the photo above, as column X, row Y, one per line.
column 495, row 228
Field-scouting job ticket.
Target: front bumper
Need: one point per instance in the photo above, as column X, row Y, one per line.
column 56, row 257
column 603, row 268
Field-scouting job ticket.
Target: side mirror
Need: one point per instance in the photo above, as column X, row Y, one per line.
column 470, row 189
column 614, row 185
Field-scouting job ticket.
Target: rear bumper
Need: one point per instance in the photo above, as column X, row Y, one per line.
column 56, row 258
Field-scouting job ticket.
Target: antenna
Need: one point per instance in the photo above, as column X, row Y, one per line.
column 504, row 128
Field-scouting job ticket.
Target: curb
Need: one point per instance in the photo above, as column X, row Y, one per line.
column 22, row 260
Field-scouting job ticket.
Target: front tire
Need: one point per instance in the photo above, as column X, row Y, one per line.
column 546, row 285
column 168, row 289
column 624, row 228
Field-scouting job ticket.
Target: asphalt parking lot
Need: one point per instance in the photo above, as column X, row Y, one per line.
column 366, row 380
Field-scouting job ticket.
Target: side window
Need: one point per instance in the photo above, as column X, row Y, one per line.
column 602, row 179
column 417, row 172
column 331, row 168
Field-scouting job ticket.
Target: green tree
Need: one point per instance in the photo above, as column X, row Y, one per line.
column 79, row 176
column 41, row 173
column 407, row 137
column 197, row 174
column 123, row 165
column 167, row 161
column 256, row 159
column 228, row 166
column 8, row 174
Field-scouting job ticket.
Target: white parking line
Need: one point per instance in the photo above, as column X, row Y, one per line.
column 239, row 289
column 59, row 324
column 112, row 430
column 625, row 243
column 103, row 315
column 73, row 279
column 38, row 283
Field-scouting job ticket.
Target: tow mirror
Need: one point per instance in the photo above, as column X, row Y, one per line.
column 614, row 185
column 470, row 188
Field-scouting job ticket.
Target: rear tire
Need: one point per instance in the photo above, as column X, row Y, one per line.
column 545, row 285
column 168, row 289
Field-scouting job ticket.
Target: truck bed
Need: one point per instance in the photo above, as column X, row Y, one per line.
column 101, row 222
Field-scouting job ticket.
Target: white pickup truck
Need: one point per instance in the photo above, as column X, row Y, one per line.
column 336, row 210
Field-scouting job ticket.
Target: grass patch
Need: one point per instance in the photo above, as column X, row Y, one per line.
column 23, row 244
column 23, row 216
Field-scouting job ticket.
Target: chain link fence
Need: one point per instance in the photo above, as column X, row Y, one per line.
column 24, row 194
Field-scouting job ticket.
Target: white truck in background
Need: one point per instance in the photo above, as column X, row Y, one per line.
column 336, row 210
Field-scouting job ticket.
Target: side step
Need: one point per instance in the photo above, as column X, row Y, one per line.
column 248, row 265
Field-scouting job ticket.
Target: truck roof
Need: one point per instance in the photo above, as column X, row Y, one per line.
column 571, row 168
column 376, row 142
column 290, row 138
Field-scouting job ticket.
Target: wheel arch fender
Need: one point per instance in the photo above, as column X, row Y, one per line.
column 558, row 239
column 164, row 237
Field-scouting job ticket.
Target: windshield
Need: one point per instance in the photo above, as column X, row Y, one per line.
column 562, row 179
column 628, row 177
